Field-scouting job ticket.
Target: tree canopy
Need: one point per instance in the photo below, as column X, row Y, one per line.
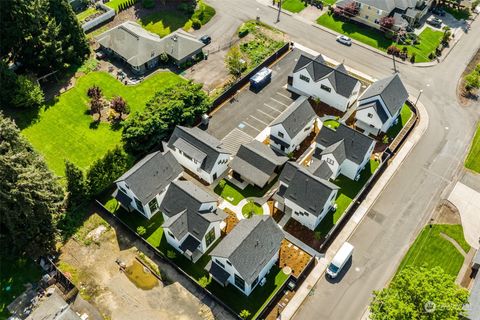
column 179, row 104
column 419, row 293
column 30, row 195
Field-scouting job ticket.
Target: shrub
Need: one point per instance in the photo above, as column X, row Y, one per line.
column 393, row 50
column 120, row 105
column 28, row 93
column 148, row 4
column 472, row 81
column 171, row 254
column 432, row 56
column 164, row 57
column 245, row 314
column 141, row 230
column 196, row 24
column 204, row 281
column 412, row 58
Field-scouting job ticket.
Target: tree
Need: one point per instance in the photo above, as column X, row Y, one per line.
column 119, row 105
column 419, row 293
column 28, row 94
column 96, row 106
column 94, row 92
column 77, row 188
column 387, row 23
column 30, row 196
column 472, row 81
column 234, row 62
column 179, row 104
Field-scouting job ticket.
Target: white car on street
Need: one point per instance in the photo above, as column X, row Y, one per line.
column 344, row 40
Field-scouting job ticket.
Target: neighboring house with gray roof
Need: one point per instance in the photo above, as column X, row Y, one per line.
column 245, row 256
column 305, row 196
column 256, row 163
column 292, row 126
column 143, row 187
column 380, row 105
column 312, row 77
column 141, row 49
column 52, row 307
column 199, row 152
column 472, row 309
column 192, row 220
column 345, row 150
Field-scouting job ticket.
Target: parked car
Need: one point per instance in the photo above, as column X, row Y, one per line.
column 435, row 22
column 261, row 78
column 344, row 40
column 340, row 259
column 206, row 39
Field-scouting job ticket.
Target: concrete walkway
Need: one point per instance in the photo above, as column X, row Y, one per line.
column 357, row 217
column 467, row 201
column 237, row 209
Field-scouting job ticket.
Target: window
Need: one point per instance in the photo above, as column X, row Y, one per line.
column 372, row 126
column 369, row 7
column 171, row 234
column 229, row 263
column 282, row 148
column 376, row 21
column 123, row 190
column 210, row 237
column 139, row 205
column 239, row 282
column 366, row 17
column 255, row 282
column 153, row 205
column 370, row 115
column 324, row 87
column 304, row 78
column 220, row 264
column 330, row 161
column 379, row 12
column 281, row 135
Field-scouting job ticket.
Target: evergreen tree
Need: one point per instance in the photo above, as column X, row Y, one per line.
column 76, row 185
column 30, row 196
column 104, row 171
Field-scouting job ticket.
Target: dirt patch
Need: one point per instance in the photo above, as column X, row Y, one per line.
column 304, row 234
column 463, row 96
column 141, row 276
column 323, row 109
column 446, row 213
column 293, row 257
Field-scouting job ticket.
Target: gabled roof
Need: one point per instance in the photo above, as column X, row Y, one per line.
column 337, row 150
column 391, row 90
column 320, row 168
column 356, row 144
column 377, row 106
column 52, row 307
column 305, row 189
column 256, row 162
column 151, row 175
column 138, row 46
column 296, row 116
column 250, row 245
column 197, row 144
column 342, row 82
column 181, row 205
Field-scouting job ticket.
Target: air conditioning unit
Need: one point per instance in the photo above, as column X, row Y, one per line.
column 263, row 281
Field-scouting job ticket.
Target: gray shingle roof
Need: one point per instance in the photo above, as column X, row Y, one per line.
column 356, row 143
column 251, row 245
column 391, row 90
column 256, row 161
column 198, row 144
column 181, row 205
column 473, row 307
column 138, row 46
column 53, row 307
column 376, row 105
column 322, row 170
column 342, row 82
column 305, row 189
column 337, row 150
column 151, row 175
column 296, row 116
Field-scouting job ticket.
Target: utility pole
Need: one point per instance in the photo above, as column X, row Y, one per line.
column 279, row 10
column 418, row 98
column 394, row 65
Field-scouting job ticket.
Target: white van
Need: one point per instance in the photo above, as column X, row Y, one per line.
column 341, row 257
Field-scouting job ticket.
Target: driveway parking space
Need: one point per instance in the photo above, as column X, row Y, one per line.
column 251, row 112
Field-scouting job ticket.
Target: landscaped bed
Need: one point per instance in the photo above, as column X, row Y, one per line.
column 333, row 124
column 431, row 249
column 472, row 161
column 429, row 38
column 251, row 208
column 64, row 129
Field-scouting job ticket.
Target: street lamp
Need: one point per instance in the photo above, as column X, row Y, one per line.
column 279, row 10
column 418, row 98
column 258, row 14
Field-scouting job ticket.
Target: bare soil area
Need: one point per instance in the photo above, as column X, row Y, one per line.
column 447, row 213
column 92, row 265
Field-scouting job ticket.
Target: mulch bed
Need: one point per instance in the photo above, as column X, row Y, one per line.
column 323, row 109
column 294, row 257
column 304, row 234
column 231, row 220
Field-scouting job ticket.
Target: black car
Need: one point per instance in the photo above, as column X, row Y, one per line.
column 206, row 39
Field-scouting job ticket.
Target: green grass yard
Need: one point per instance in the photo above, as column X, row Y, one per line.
column 63, row 129
column 430, row 249
column 114, row 4
column 85, row 14
column 331, row 124
column 234, row 194
column 165, row 22
column 473, row 158
column 405, row 115
column 429, row 38
column 251, row 208
column 294, row 6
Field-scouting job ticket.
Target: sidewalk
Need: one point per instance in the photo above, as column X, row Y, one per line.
column 357, row 217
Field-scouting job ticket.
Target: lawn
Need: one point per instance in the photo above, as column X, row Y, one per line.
column 405, row 115
column 234, row 194
column 251, row 208
column 431, row 249
column 85, row 14
column 64, row 129
column 333, row 124
column 429, row 38
column 14, row 274
column 114, row 4
column 294, row 6
column 348, row 191
column 165, row 22
column 473, row 158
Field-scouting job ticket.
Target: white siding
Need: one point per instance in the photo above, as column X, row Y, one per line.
column 216, row 226
column 335, row 166
column 364, row 122
column 294, row 142
column 310, row 221
column 146, row 210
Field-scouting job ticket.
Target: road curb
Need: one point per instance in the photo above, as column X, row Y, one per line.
column 358, row 216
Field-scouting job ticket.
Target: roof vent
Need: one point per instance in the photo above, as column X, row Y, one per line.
column 174, row 38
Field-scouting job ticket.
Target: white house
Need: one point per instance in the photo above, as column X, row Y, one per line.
column 345, row 150
column 304, row 195
column 256, row 163
column 293, row 126
column 380, row 105
column 199, row 152
column 312, row 77
column 143, row 187
column 245, row 256
column 191, row 218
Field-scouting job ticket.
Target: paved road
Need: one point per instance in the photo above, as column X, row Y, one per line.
column 426, row 176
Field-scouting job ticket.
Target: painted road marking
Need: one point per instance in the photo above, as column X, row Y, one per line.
column 282, row 95
column 259, row 120
column 251, row 126
column 272, row 108
column 268, row 115
column 286, row 105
